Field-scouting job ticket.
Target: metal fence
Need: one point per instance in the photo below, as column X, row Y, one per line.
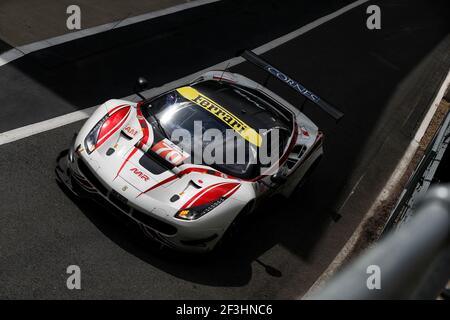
column 411, row 262
column 421, row 179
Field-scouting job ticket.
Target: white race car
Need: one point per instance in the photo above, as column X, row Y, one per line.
column 125, row 155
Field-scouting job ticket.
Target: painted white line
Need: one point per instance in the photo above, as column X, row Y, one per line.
column 32, row 129
column 423, row 127
column 50, row 124
column 391, row 184
column 310, row 26
column 10, row 55
column 20, row 51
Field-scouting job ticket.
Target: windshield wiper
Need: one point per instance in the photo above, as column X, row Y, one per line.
column 160, row 126
column 158, row 123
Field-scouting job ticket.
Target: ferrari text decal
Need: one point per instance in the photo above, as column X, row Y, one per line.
column 226, row 116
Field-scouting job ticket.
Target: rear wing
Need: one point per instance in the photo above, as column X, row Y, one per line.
column 256, row 60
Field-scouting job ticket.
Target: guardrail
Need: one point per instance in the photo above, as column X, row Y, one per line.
column 413, row 262
column 421, row 179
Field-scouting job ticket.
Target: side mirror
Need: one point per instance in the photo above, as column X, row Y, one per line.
column 280, row 176
column 141, row 85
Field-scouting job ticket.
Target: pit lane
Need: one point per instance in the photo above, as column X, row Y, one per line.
column 383, row 80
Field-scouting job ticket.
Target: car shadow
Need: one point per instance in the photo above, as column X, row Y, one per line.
column 275, row 222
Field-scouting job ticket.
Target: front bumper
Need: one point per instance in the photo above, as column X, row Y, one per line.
column 76, row 175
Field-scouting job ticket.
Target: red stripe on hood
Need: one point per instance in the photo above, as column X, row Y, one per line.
column 144, row 127
column 142, row 142
column 184, row 172
column 133, row 151
column 212, row 193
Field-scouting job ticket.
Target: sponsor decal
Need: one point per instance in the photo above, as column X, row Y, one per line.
column 292, row 83
column 171, row 152
column 131, row 131
column 221, row 113
column 140, row 174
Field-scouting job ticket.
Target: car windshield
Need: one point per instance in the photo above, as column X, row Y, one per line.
column 173, row 112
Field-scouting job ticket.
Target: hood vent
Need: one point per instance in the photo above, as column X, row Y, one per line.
column 151, row 164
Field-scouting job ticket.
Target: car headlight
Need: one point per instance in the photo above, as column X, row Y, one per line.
column 194, row 213
column 90, row 142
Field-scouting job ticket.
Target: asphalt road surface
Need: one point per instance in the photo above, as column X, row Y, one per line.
column 384, row 80
column 21, row 23
column 4, row 46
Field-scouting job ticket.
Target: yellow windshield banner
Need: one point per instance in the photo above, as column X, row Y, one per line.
column 226, row 116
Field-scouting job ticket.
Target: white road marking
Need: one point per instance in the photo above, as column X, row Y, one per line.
column 423, row 127
column 35, row 128
column 21, row 51
column 32, row 129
